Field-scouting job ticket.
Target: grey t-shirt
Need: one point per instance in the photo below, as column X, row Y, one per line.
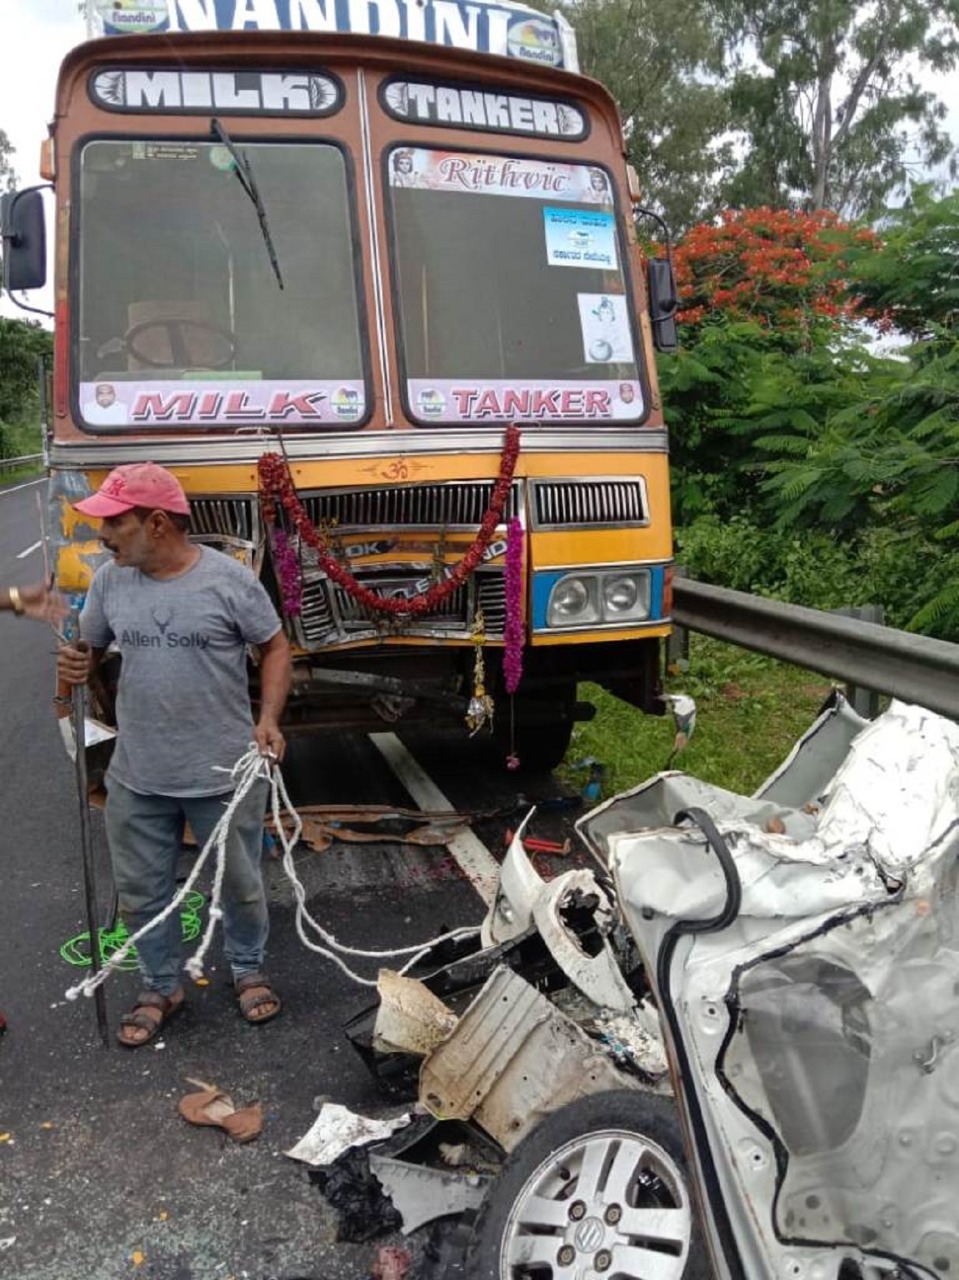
column 183, row 704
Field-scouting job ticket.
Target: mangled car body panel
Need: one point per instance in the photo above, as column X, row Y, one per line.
column 805, row 953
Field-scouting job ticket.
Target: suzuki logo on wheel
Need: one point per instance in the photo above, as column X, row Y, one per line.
column 589, row 1235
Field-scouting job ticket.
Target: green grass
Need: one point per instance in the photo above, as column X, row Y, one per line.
column 750, row 711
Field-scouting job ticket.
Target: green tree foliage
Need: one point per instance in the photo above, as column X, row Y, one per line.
column 830, row 100
column 765, row 303
column 8, row 178
column 22, row 343
column 662, row 62
column 864, row 448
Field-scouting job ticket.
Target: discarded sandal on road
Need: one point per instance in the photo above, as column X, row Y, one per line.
column 257, row 998
column 211, row 1106
column 151, row 1012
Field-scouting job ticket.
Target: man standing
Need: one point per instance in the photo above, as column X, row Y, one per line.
column 181, row 616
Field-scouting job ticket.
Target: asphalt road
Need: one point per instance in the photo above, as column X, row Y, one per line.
column 99, row 1177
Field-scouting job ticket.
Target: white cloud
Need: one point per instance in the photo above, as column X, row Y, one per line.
column 35, row 35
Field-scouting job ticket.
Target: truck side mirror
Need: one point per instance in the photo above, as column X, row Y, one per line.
column 24, row 239
column 663, row 303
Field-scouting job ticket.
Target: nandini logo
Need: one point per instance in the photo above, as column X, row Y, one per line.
column 126, row 16
column 431, row 403
column 535, row 42
column 346, row 403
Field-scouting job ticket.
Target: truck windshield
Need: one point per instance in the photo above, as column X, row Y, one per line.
column 181, row 321
column 512, row 299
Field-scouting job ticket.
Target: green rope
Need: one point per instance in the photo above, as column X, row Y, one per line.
column 76, row 951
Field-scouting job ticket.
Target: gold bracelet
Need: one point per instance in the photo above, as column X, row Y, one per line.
column 14, row 594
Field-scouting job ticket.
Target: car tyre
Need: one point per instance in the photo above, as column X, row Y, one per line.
column 599, row 1186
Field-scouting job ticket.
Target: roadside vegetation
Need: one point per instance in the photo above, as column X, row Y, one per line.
column 750, row 711
column 22, row 343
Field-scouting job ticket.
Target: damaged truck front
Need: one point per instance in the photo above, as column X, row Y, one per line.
column 378, row 303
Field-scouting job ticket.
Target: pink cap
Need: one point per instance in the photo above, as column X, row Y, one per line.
column 137, row 484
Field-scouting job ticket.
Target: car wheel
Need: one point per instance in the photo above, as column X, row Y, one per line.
column 599, row 1187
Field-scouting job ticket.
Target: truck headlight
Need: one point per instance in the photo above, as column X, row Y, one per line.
column 625, row 596
column 573, row 601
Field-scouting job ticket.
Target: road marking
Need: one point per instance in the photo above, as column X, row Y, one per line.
column 26, row 485
column 21, row 555
column 475, row 860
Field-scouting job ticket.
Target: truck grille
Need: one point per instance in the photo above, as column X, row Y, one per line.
column 228, row 517
column 329, row 614
column 589, row 504
column 421, row 506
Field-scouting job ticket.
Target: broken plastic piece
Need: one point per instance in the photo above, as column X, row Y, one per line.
column 336, row 1129
column 421, row 1194
column 524, row 899
column 410, row 1019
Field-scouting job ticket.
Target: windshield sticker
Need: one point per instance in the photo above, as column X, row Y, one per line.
column 497, row 176
column 256, row 93
column 510, row 29
column 494, row 400
column 605, row 326
column 580, row 238
column 164, row 151
column 215, row 402
column 421, row 102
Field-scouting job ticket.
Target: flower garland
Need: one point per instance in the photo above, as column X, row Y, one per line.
column 514, row 631
column 288, row 573
column 277, row 491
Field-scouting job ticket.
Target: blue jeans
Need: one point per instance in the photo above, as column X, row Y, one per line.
column 145, row 834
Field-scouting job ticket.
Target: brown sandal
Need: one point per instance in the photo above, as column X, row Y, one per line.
column 214, row 1107
column 254, row 992
column 161, row 1009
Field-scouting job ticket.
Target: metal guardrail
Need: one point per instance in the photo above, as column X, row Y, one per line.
column 910, row 667
column 14, row 464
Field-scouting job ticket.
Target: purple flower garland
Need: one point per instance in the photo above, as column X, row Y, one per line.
column 515, row 632
column 288, row 573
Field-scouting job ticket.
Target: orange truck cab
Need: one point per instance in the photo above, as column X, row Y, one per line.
column 368, row 284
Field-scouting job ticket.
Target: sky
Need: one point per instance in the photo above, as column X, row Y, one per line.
column 35, row 35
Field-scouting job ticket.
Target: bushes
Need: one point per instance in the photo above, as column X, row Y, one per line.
column 900, row 569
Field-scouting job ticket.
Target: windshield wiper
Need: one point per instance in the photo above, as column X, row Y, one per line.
column 244, row 172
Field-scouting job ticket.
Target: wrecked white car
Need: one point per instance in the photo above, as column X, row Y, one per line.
column 798, row 971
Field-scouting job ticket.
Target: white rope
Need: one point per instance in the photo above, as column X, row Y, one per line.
column 279, row 800
column 250, row 767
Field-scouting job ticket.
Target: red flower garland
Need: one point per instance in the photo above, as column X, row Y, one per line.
column 276, row 487
column 514, row 635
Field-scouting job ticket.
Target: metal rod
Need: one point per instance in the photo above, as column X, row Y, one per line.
column 79, row 714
